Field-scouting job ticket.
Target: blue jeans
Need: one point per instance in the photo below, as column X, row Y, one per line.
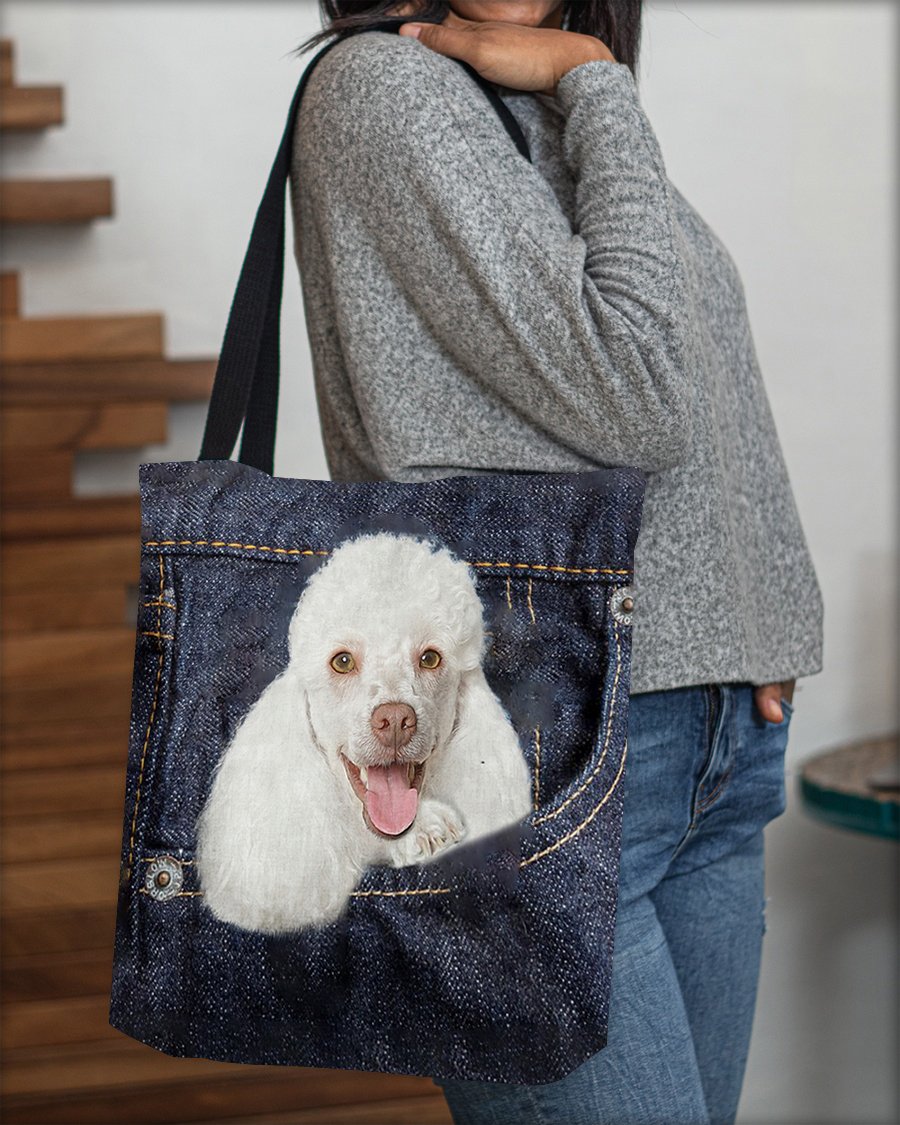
column 704, row 775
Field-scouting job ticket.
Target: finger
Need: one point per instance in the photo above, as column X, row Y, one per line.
column 768, row 702
column 445, row 38
column 453, row 20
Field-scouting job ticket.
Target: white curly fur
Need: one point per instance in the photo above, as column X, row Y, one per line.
column 281, row 840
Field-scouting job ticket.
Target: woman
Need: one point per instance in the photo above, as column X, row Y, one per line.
column 471, row 312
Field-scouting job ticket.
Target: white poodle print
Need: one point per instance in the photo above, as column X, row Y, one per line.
column 381, row 742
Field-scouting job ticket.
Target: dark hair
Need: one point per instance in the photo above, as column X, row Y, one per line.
column 616, row 22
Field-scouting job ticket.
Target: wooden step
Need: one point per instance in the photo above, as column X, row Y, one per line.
column 122, row 1062
column 58, row 932
column 66, row 831
column 40, row 565
column 95, row 789
column 31, row 107
column 61, row 884
column 82, row 673
column 94, row 515
column 49, row 745
column 84, row 609
column 98, row 572
column 27, row 479
column 114, row 1108
column 39, row 445
column 182, row 380
column 7, row 75
column 113, row 425
column 105, row 700
column 9, row 294
column 69, row 1019
column 76, row 339
column 55, row 976
column 432, row 1109
column 55, row 201
column 60, row 660
column 119, row 1061
column 136, row 1107
column 45, row 738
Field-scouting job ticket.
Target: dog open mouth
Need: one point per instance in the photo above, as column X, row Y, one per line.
column 389, row 794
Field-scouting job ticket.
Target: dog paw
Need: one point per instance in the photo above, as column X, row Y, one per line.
column 436, row 828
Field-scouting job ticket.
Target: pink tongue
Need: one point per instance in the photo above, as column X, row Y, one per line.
column 391, row 801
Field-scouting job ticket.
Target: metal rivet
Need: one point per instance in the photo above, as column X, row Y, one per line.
column 621, row 604
column 164, row 877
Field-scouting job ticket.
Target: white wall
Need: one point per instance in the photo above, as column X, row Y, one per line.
column 776, row 120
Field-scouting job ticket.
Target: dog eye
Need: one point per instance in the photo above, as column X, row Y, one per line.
column 343, row 662
column 430, row 658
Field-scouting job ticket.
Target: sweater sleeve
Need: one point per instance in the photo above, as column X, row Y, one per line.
column 581, row 331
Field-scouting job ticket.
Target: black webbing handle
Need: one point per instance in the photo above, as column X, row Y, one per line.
column 245, row 390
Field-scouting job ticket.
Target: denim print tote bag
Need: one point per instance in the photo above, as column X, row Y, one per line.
column 373, row 797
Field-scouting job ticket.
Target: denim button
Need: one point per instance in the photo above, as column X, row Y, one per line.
column 164, row 878
column 621, row 604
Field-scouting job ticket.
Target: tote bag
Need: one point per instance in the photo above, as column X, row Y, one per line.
column 373, row 795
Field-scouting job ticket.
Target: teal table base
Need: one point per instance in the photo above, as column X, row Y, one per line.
column 835, row 788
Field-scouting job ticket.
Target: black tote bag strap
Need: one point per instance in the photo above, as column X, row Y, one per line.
column 247, row 374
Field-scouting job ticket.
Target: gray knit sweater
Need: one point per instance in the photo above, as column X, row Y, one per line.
column 470, row 312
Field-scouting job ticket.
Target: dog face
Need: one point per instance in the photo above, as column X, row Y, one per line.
column 380, row 642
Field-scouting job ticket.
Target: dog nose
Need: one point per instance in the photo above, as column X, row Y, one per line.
column 393, row 724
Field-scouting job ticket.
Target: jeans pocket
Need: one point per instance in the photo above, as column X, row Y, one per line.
column 152, row 700
column 776, row 750
column 759, row 784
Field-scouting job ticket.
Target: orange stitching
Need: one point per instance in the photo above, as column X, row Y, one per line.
column 708, row 799
column 310, row 551
column 545, row 566
column 537, row 766
column 178, row 894
column 599, row 765
column 162, row 636
column 162, row 657
column 355, row 894
column 587, row 820
column 137, row 798
column 168, row 605
column 222, row 543
column 537, row 729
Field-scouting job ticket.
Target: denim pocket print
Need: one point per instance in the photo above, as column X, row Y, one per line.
column 759, row 787
column 376, row 808
column 151, row 699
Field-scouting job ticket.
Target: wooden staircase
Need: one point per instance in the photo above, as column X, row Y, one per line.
column 69, row 564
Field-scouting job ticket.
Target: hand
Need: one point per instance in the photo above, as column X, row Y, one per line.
column 509, row 54
column 768, row 699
